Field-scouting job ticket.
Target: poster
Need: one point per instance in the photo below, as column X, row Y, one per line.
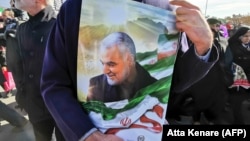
column 126, row 55
column 240, row 78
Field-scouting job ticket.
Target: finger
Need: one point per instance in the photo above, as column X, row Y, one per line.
column 184, row 3
column 186, row 11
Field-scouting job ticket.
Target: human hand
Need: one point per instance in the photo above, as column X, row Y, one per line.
column 190, row 20
column 98, row 136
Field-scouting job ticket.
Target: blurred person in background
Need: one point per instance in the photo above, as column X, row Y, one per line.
column 9, row 20
column 230, row 28
column 237, row 58
column 223, row 29
column 20, row 15
column 219, row 38
column 10, row 23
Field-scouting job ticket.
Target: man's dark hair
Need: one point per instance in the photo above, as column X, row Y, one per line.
column 212, row 21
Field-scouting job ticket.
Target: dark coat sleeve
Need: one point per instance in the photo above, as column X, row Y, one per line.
column 58, row 81
column 189, row 68
column 208, row 95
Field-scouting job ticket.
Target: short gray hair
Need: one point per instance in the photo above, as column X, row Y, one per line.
column 122, row 40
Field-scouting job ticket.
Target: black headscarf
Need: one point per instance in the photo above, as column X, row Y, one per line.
column 234, row 39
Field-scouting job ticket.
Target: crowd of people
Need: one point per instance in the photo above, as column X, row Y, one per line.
column 210, row 86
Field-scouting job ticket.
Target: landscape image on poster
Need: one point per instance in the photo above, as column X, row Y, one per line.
column 126, row 56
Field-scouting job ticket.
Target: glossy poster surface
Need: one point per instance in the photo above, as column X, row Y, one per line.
column 126, row 55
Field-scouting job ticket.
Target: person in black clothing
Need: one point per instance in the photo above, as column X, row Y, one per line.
column 8, row 38
column 209, row 105
column 7, row 113
column 238, row 53
column 31, row 38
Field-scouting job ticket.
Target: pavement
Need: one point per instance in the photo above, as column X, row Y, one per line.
column 12, row 133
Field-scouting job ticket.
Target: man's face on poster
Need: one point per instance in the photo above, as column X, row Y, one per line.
column 115, row 65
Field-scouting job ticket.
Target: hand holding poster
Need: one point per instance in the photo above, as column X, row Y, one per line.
column 126, row 55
